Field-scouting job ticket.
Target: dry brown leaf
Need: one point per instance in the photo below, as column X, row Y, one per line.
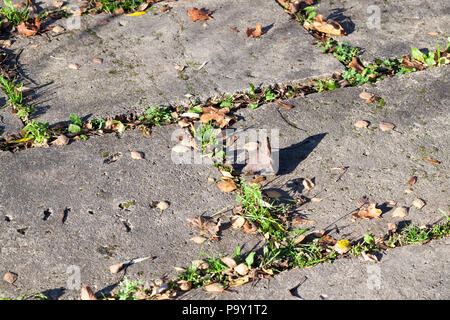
column 298, row 220
column 62, row 140
column 29, row 29
column 119, row 11
column 239, row 281
column 308, row 184
column 249, row 228
column 200, row 264
column 185, row 285
column 162, row 205
column 241, row 269
column 330, row 26
column 262, row 163
column 137, row 155
column 219, row 118
column 87, row 293
column 10, row 277
column 316, row 199
column 238, row 223
column 392, row 227
column 369, row 257
column 400, row 212
column 57, row 29
column 74, row 66
column 234, row 29
column 179, row 68
column 164, row 9
column 115, row 268
column 199, row 14
column 365, row 95
column 355, row 65
column 418, row 203
column 432, row 160
column 284, row 106
column 57, row 4
column 386, row 126
column 198, row 239
column 254, row 32
column 207, row 227
column 216, row 288
column 257, row 180
column 299, row 239
column 370, row 212
column 362, row 124
column 433, row 33
column 226, row 186
column 229, row 262
column 97, row 60
column 411, row 181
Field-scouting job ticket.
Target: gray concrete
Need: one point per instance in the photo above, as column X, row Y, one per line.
column 380, row 163
column 403, row 25
column 75, row 176
column 140, row 54
column 410, row 272
column 9, row 123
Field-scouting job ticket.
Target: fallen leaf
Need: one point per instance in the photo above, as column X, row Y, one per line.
column 199, row 14
column 119, row 11
column 355, row 65
column 179, row 68
column 432, row 160
column 257, row 180
column 226, row 186
column 74, row 66
column 87, row 293
column 142, row 6
column 216, row 288
column 370, row 212
column 57, row 4
column 386, row 126
column 62, row 140
column 198, row 239
column 207, row 227
column 433, row 33
column 392, row 227
column 418, row 203
column 239, row 281
column 164, row 9
column 316, row 199
column 10, row 277
column 229, row 262
column 162, row 205
column 298, row 220
column 411, row 181
column 215, row 115
column 135, row 14
column 330, row 26
column 185, row 285
column 234, row 29
column 57, row 29
column 137, row 155
column 308, row 184
column 369, row 257
column 183, row 123
column 238, row 223
column 342, row 246
column 365, row 95
column 299, row 239
column 97, row 60
column 249, row 228
column 200, row 264
column 362, row 124
column 408, row 191
column 254, row 32
column 241, row 269
column 180, row 149
column 284, row 106
column 261, row 163
column 29, row 29
column 115, row 268
column 400, row 212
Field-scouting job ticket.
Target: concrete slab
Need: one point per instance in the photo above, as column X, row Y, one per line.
column 60, row 207
column 9, row 123
column 390, row 29
column 139, row 55
column 409, row 272
column 379, row 163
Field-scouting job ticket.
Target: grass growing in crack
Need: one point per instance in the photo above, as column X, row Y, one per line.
column 307, row 14
column 38, row 131
column 127, row 289
column 323, row 85
column 157, row 115
column 29, row 296
column 206, row 135
column 13, row 15
column 112, row 5
column 15, row 98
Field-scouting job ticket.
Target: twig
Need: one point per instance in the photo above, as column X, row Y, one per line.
column 290, row 123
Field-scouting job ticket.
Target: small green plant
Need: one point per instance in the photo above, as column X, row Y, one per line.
column 157, row 115
column 29, row 296
column 433, row 58
column 98, row 124
column 15, row 98
column 38, row 131
column 326, row 85
column 228, row 102
column 112, row 5
column 345, row 53
column 127, row 288
column 13, row 15
column 307, row 14
column 269, row 95
column 206, row 135
column 75, row 124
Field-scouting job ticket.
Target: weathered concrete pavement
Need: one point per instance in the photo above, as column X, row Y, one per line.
column 59, row 206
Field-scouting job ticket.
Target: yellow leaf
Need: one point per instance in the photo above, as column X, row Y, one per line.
column 140, row 13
